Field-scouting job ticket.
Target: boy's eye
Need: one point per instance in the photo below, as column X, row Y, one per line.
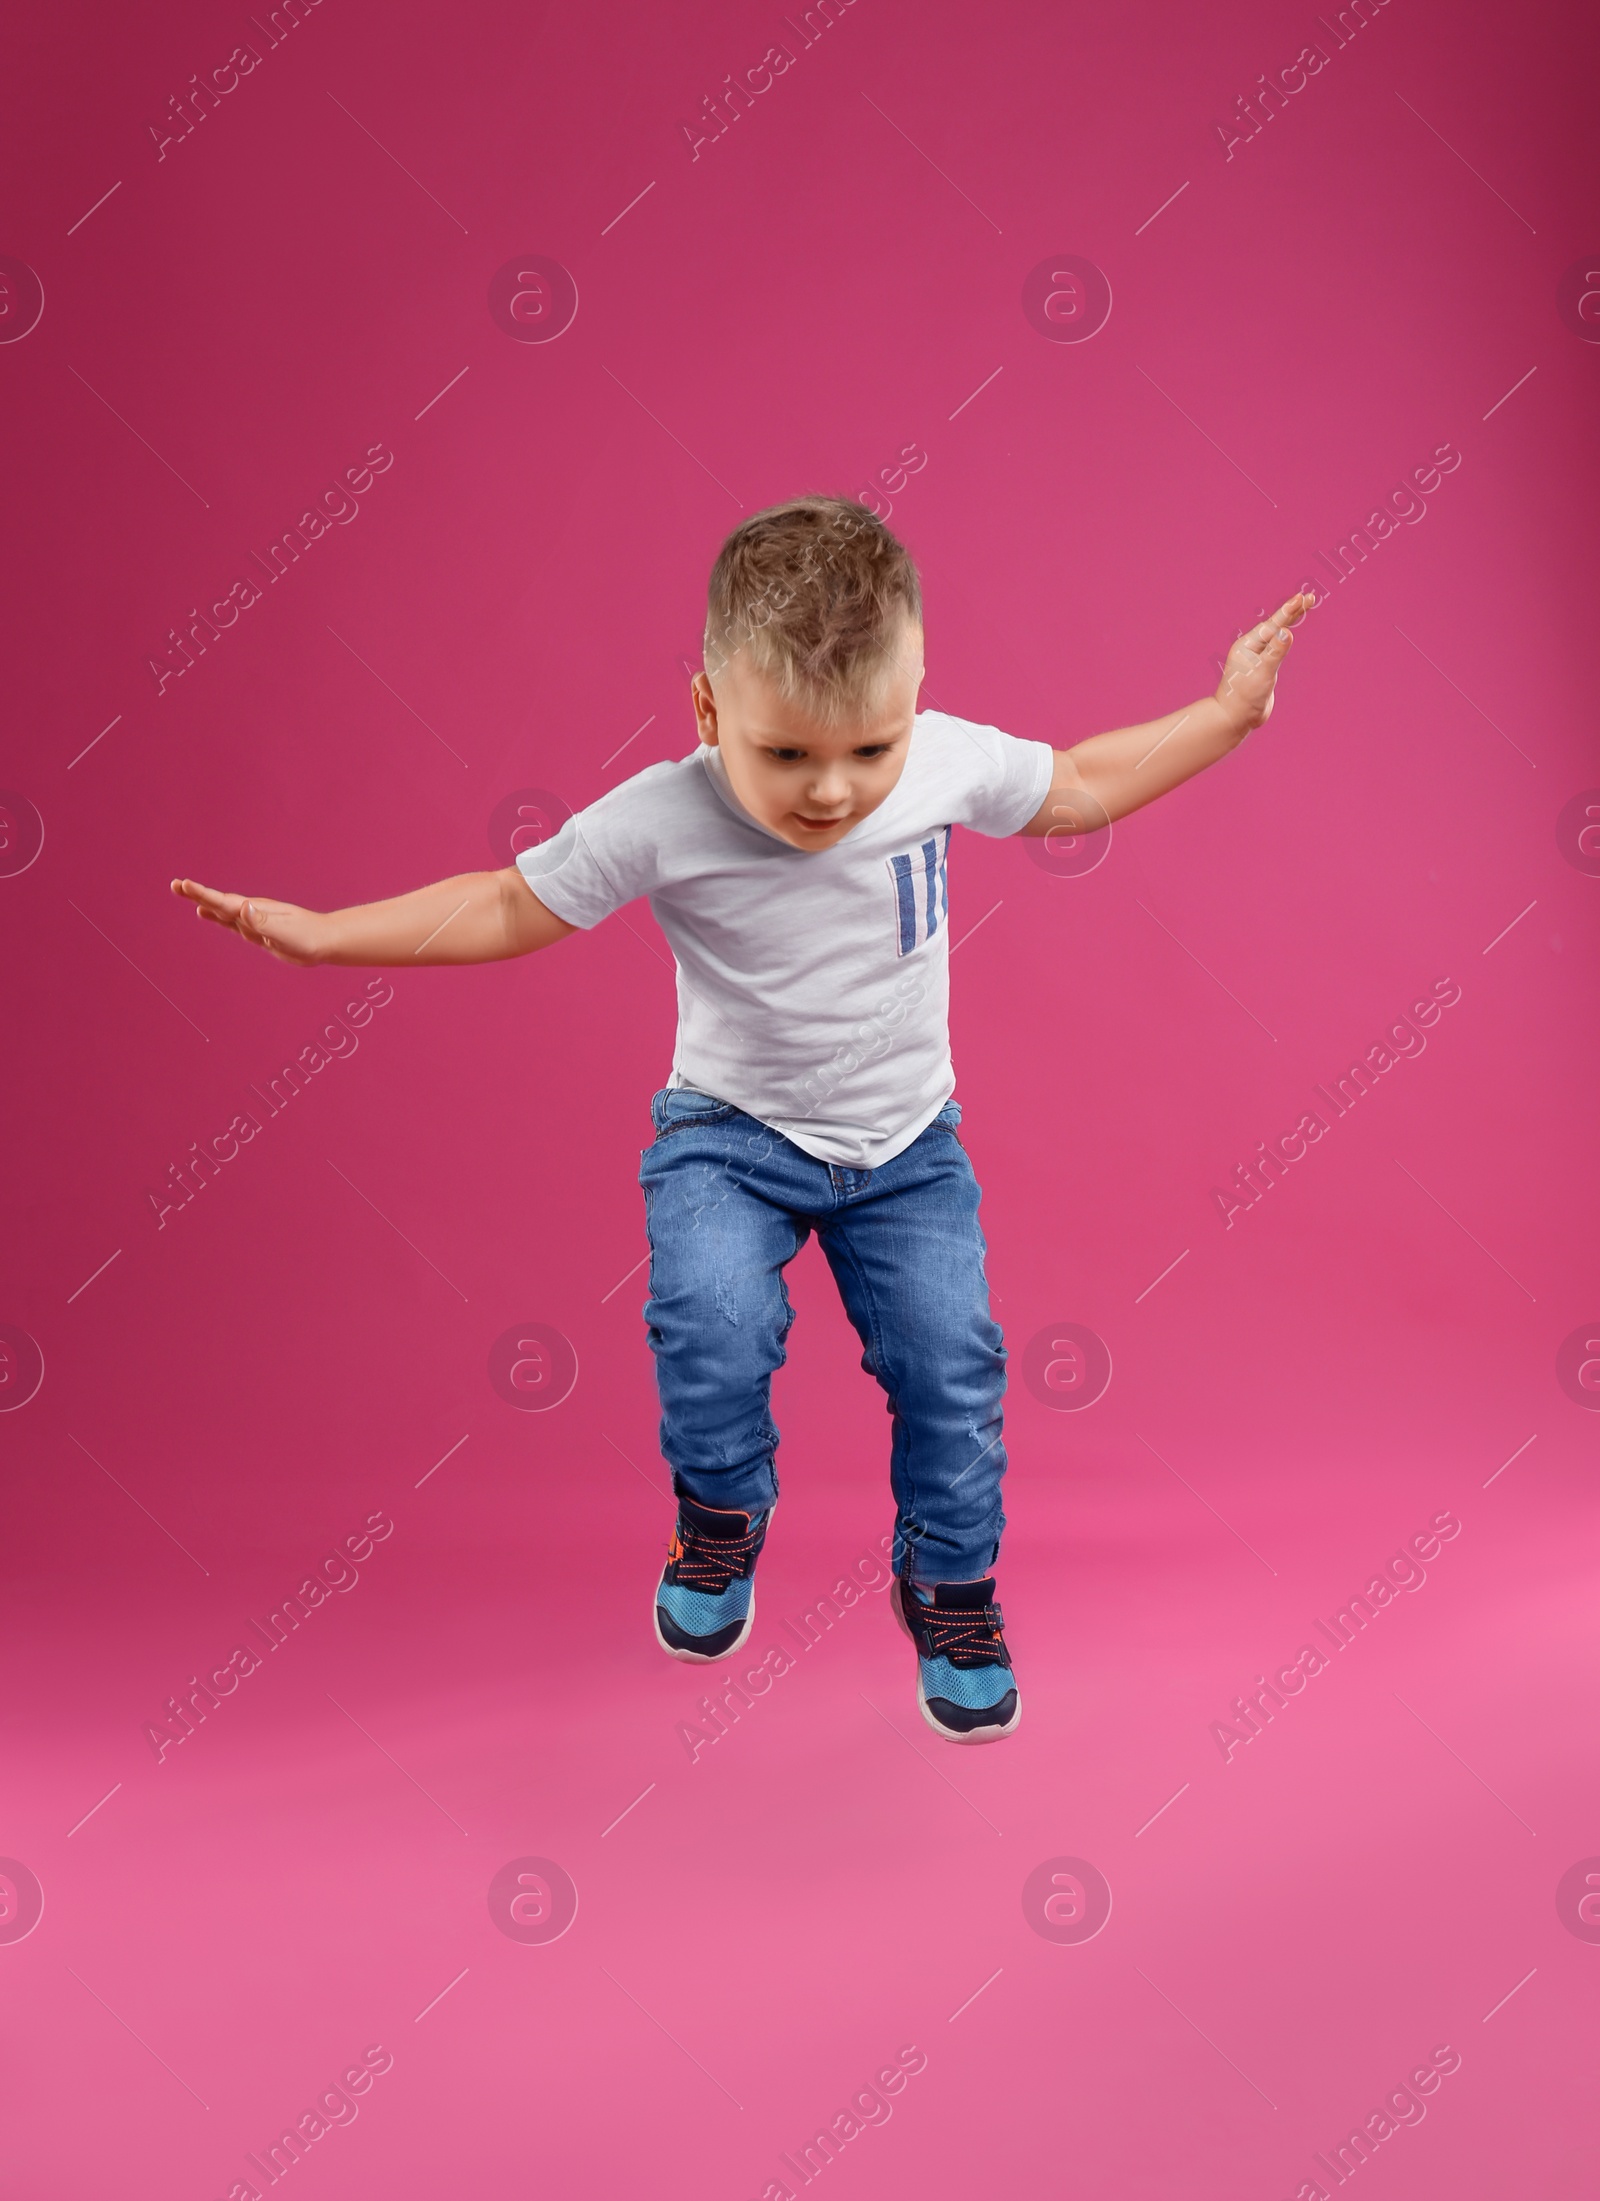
column 868, row 752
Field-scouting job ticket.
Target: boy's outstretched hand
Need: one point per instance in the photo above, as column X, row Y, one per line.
column 480, row 917
column 1250, row 674
column 293, row 935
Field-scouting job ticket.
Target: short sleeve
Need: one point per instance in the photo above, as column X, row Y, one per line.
column 568, row 879
column 998, row 782
column 603, row 856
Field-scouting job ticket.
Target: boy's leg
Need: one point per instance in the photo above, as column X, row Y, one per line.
column 907, row 1252
column 718, row 1312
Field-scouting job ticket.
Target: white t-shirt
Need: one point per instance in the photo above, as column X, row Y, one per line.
column 813, row 987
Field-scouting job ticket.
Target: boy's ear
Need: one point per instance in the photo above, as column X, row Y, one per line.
column 705, row 710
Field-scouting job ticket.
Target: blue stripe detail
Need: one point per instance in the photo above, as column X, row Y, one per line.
column 922, row 924
column 901, row 867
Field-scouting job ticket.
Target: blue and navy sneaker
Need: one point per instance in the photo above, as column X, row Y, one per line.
column 965, row 1685
column 706, row 1598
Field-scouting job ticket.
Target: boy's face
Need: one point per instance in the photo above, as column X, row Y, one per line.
column 806, row 782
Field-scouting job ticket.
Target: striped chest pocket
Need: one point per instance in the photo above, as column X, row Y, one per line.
column 921, row 892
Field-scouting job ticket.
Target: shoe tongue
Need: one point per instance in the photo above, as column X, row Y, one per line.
column 714, row 1520
column 963, row 1596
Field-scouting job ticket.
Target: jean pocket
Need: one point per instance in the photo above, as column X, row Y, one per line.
column 949, row 1119
column 680, row 1106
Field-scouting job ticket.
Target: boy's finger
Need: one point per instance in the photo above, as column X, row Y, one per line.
column 224, row 907
column 1287, row 615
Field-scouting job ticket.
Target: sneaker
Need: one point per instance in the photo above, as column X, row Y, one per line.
column 706, row 1598
column 965, row 1685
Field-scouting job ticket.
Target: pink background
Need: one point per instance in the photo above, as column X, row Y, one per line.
column 1302, row 324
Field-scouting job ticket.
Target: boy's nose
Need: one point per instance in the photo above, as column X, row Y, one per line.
column 830, row 793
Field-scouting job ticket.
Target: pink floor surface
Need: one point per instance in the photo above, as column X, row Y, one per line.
column 460, row 1859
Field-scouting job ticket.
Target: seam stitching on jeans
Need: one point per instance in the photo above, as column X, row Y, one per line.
column 847, row 1253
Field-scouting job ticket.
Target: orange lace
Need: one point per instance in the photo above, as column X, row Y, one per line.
column 709, row 1563
column 966, row 1638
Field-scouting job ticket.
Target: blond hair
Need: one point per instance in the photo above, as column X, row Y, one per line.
column 816, row 595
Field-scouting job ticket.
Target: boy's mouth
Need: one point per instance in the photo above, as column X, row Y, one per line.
column 818, row 825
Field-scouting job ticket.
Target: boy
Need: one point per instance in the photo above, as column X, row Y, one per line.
column 796, row 863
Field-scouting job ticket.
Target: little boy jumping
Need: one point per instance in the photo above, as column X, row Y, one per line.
column 796, row 861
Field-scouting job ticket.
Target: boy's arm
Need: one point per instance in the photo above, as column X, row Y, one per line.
column 1110, row 774
column 480, row 917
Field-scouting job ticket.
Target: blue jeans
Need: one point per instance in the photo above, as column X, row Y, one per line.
column 728, row 1205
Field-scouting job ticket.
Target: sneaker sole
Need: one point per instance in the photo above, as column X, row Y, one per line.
column 707, row 1658
column 976, row 1734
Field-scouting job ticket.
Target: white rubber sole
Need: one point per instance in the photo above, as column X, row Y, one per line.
column 705, row 1658
column 977, row 1734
